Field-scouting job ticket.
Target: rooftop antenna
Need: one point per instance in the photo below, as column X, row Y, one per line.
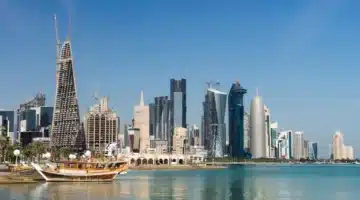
column 57, row 36
column 257, row 91
column 69, row 25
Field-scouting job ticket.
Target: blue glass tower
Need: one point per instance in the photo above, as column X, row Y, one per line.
column 236, row 120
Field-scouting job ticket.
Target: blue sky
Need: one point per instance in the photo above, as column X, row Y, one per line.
column 302, row 55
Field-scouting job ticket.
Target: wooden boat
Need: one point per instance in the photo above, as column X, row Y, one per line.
column 75, row 171
column 19, row 167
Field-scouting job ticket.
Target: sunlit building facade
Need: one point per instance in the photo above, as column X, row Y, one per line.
column 214, row 122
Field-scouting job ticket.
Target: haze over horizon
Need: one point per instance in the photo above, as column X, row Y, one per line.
column 301, row 55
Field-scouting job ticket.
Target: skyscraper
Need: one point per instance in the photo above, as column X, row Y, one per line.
column 177, row 106
column 214, row 122
column 162, row 118
column 141, row 121
column 236, row 120
column 101, row 126
column 66, row 127
column 257, row 128
column 313, row 150
column 178, row 102
column 338, row 146
column 298, row 145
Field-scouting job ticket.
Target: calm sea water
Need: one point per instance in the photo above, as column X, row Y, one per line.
column 300, row 182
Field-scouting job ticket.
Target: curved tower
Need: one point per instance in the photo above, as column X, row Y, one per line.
column 257, row 128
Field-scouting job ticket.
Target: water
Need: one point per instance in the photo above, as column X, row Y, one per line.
column 297, row 182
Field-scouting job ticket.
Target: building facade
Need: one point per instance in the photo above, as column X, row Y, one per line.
column 141, row 121
column 7, row 124
column 236, row 120
column 162, row 118
column 179, row 140
column 298, row 145
column 214, row 122
column 257, row 128
column 66, row 126
column 177, row 105
column 338, row 146
column 101, row 127
column 313, row 150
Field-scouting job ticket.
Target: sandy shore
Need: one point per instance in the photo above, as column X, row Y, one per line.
column 174, row 167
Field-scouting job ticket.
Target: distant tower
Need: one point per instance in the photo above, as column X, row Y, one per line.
column 141, row 121
column 236, row 120
column 66, row 127
column 257, row 128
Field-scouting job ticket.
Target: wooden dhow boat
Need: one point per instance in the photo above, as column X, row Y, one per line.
column 75, row 171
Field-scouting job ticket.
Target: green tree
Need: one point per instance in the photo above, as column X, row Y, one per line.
column 4, row 145
column 38, row 149
column 65, row 152
column 28, row 152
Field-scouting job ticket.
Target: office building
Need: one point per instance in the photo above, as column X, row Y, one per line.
column 306, row 149
column 284, row 145
column 247, row 131
column 7, row 124
column 313, row 150
column 214, row 128
column 141, row 121
column 338, row 146
column 101, row 127
column 179, row 140
column 162, row 118
column 267, row 122
column 298, row 145
column 257, row 128
column 236, row 120
column 349, row 153
column 273, row 136
column 177, row 105
column 66, row 126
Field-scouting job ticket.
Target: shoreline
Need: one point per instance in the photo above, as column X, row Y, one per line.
column 174, row 167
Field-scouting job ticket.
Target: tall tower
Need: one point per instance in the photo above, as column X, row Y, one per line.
column 257, row 128
column 236, row 120
column 177, row 106
column 141, row 121
column 66, row 127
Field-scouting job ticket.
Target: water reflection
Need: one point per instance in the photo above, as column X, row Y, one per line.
column 235, row 183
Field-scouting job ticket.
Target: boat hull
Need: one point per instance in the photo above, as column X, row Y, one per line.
column 51, row 176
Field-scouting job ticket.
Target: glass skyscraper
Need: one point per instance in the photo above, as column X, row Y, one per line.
column 236, row 120
column 177, row 105
column 214, row 122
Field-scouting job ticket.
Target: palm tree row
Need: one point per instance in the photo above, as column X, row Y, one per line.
column 31, row 152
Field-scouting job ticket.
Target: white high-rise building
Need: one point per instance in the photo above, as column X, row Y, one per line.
column 141, row 117
column 257, row 128
column 298, row 145
column 349, row 153
column 338, row 146
column 101, row 126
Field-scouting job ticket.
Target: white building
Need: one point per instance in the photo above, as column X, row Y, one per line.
column 298, row 145
column 101, row 126
column 141, row 117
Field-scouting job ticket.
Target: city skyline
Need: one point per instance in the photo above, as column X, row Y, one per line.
column 312, row 110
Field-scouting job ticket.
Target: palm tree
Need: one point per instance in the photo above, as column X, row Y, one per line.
column 28, row 152
column 65, row 152
column 38, row 148
column 4, row 144
column 55, row 153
